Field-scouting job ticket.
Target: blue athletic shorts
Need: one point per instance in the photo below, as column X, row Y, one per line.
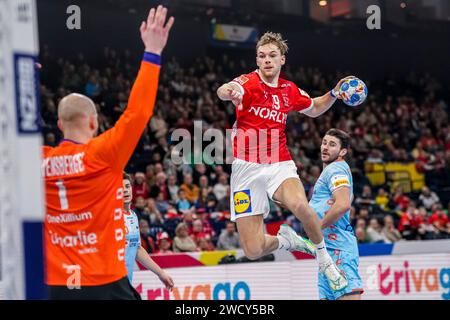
column 348, row 263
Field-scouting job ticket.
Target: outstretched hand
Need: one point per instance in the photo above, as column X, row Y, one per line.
column 236, row 98
column 338, row 86
column 153, row 32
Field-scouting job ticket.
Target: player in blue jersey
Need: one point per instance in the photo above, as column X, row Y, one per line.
column 331, row 200
column 133, row 250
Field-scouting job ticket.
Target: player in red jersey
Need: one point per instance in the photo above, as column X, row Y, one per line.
column 84, row 227
column 263, row 166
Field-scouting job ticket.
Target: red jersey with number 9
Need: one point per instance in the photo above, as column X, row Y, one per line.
column 84, row 226
column 259, row 129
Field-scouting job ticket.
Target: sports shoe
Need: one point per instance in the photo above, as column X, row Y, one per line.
column 336, row 279
column 296, row 242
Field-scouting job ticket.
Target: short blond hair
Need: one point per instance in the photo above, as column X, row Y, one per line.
column 273, row 38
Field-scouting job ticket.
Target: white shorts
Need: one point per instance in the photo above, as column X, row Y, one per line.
column 253, row 183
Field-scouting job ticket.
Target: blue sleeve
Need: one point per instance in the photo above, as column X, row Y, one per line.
column 338, row 177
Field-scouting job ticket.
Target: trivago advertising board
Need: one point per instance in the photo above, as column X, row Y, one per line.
column 425, row 276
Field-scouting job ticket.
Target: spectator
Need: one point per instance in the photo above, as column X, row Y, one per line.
column 150, row 175
column 158, row 125
column 154, row 216
column 389, row 230
column 206, row 201
column 197, row 230
column 229, row 238
column 139, row 208
column 147, row 241
column 192, row 190
column 173, row 188
column 199, row 171
column 182, row 242
column 409, row 223
column 188, row 219
column 224, row 204
column 375, row 233
column 183, row 204
column 203, row 183
column 220, row 188
column 401, row 200
column 207, row 229
column 428, row 198
column 205, row 244
column 426, row 231
column 92, row 88
column 162, row 204
column 160, row 186
column 365, row 200
column 140, row 188
column 361, row 235
column 361, row 223
column 164, row 243
column 363, row 213
column 440, row 221
column 382, row 200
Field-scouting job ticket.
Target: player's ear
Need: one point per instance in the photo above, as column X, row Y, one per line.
column 343, row 152
column 60, row 126
column 283, row 59
column 93, row 124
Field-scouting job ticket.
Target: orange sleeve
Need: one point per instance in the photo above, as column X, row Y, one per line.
column 116, row 145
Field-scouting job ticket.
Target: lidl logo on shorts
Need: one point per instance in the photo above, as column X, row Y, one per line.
column 242, row 201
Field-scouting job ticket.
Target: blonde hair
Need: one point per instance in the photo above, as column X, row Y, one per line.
column 273, row 38
column 179, row 227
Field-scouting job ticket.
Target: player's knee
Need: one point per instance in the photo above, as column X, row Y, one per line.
column 253, row 252
column 302, row 207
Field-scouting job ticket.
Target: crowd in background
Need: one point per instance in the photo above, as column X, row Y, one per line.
column 183, row 208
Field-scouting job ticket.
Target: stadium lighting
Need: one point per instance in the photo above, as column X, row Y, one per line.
column 323, row 3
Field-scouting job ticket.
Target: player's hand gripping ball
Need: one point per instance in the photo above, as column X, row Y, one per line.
column 353, row 92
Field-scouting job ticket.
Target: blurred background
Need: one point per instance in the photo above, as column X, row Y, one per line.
column 400, row 153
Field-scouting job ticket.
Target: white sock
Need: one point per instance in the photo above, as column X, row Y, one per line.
column 283, row 243
column 322, row 253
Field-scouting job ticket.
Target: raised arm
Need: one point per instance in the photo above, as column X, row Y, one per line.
column 323, row 103
column 231, row 92
column 116, row 145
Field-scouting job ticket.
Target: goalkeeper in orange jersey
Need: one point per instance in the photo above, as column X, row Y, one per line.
column 84, row 227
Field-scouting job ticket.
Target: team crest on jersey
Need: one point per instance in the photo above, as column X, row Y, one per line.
column 304, row 93
column 242, row 201
column 241, row 80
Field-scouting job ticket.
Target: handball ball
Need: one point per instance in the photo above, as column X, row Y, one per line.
column 353, row 92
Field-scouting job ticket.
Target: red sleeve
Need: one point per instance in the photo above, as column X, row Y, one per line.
column 116, row 145
column 301, row 101
column 244, row 82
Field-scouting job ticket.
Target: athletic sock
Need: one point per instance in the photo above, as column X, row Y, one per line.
column 322, row 253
